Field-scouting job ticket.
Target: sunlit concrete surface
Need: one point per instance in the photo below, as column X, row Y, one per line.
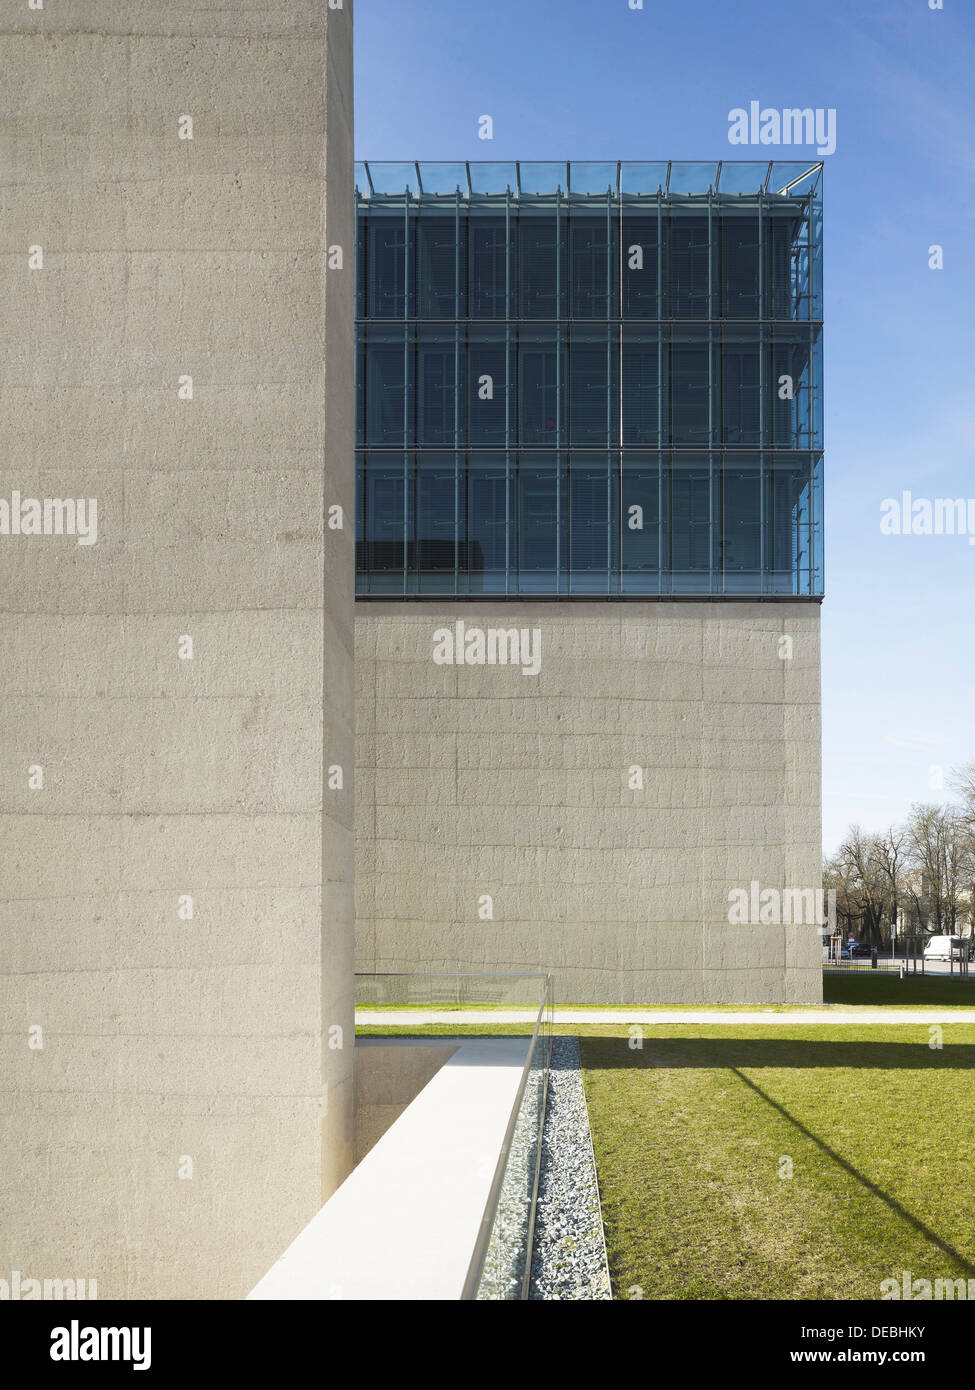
column 592, row 819
column 176, row 898
column 404, row 1224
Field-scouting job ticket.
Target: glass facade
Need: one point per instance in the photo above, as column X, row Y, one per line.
column 589, row 379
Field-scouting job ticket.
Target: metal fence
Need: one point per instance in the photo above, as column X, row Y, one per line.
column 907, row 958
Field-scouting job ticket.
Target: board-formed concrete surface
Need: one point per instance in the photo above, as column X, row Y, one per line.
column 594, row 818
column 177, row 855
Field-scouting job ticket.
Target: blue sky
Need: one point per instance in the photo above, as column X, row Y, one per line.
column 593, row 79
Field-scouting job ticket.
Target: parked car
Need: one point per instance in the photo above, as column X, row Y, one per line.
column 945, row 948
column 860, row 948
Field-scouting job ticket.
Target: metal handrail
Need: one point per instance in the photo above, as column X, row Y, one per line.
column 483, row 1241
column 543, row 1109
column 482, row 1244
column 460, row 975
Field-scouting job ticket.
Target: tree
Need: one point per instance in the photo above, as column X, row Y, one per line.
column 940, row 852
column 922, row 872
column 963, row 780
column 864, row 874
column 891, row 852
column 836, row 878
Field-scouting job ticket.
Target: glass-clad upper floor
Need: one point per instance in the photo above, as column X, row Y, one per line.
column 549, row 385
column 588, row 522
column 547, row 351
column 589, row 241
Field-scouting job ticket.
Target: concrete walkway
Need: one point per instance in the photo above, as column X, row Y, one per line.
column 829, row 1014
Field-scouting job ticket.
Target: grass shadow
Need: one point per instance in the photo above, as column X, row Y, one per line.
column 789, row 1053
column 890, row 1202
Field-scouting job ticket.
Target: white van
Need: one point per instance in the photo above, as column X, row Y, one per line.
column 945, row 948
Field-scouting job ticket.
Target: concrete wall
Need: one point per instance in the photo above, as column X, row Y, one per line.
column 477, row 781
column 389, row 1075
column 169, row 1137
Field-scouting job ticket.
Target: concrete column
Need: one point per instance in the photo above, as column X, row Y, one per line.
column 176, row 746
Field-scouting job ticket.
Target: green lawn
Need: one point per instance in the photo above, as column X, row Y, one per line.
column 876, row 987
column 689, row 1133
column 478, row 1030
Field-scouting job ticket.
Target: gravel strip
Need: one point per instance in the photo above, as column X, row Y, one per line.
column 569, row 1255
column 503, row 1275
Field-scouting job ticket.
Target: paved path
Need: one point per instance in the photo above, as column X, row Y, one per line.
column 828, row 1014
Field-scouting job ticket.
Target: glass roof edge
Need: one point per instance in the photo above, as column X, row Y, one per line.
column 413, row 182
